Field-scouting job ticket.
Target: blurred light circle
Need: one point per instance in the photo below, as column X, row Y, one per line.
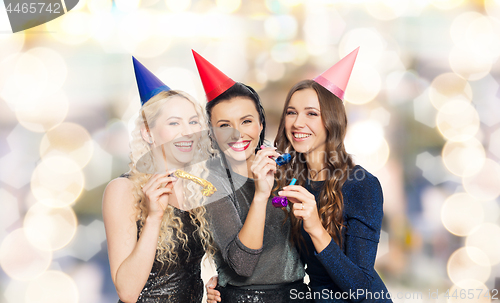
column 461, row 266
column 23, row 78
column 282, row 27
column 364, row 85
column 127, row 6
column 73, row 28
column 386, row 9
column 57, row 178
column 464, row 157
column 50, row 228
column 300, row 53
column 141, row 34
column 291, row 3
column 228, row 6
column 11, row 44
column 99, row 6
column 486, row 238
column 283, row 52
column 485, row 183
column 446, row 4
column 469, row 290
column 492, row 7
column 468, row 64
column 178, row 5
column 371, row 44
column 365, row 140
column 45, row 114
column 56, row 66
column 69, row 140
column 494, row 146
column 274, row 70
column 52, row 287
column 461, row 213
column 20, row 260
column 483, row 37
column 449, row 86
column 103, row 26
column 460, row 24
column 457, row 120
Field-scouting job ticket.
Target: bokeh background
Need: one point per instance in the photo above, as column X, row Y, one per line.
column 423, row 105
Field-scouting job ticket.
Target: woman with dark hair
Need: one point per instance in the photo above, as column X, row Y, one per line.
column 336, row 212
column 255, row 260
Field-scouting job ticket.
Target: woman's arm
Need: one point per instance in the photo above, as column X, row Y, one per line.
column 354, row 269
column 130, row 259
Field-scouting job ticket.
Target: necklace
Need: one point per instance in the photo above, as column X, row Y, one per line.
column 316, row 173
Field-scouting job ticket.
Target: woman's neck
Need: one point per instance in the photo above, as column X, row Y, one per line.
column 316, row 166
column 242, row 167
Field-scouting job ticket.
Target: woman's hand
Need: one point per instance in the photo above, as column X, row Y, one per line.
column 213, row 295
column 157, row 191
column 304, row 207
column 263, row 169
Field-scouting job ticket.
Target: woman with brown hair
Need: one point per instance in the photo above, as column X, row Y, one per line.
column 336, row 209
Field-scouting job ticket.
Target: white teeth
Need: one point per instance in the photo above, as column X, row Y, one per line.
column 239, row 145
column 299, row 136
column 183, row 144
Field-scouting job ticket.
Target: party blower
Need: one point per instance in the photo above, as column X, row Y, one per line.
column 280, row 201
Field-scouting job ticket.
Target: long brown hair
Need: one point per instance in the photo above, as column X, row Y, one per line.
column 338, row 162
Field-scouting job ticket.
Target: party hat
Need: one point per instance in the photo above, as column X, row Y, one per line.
column 214, row 81
column 336, row 77
column 149, row 85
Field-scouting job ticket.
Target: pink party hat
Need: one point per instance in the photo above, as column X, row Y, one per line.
column 336, row 77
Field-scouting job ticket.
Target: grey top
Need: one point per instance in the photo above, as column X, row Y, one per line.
column 276, row 262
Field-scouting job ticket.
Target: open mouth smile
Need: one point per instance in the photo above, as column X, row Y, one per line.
column 239, row 146
column 300, row 136
column 184, row 146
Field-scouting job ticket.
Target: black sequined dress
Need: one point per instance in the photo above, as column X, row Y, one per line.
column 180, row 282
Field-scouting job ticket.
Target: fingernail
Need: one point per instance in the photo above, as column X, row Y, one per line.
column 280, row 192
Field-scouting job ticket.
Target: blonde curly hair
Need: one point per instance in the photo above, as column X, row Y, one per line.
column 171, row 224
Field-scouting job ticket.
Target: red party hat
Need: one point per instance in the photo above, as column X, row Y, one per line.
column 336, row 77
column 214, row 81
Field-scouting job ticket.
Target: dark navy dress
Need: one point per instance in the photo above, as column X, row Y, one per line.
column 347, row 274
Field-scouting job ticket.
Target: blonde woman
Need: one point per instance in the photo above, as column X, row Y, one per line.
column 155, row 226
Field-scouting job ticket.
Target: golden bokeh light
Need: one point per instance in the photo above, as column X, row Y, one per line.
column 291, row 3
column 50, row 228
column 460, row 24
column 178, row 6
column 449, row 86
column 283, row 27
column 386, row 9
column 127, row 6
column 52, row 287
column 371, row 47
column 57, row 178
column 68, row 140
column 485, row 183
column 365, row 140
column 73, row 29
column 45, row 114
column 461, row 213
column 461, row 266
column 99, row 6
column 20, row 260
column 486, row 238
column 483, row 37
column 364, row 85
column 457, row 120
column 446, row 4
column 463, row 157
column 228, row 6
column 469, row 290
column 468, row 64
column 16, row 72
column 56, row 66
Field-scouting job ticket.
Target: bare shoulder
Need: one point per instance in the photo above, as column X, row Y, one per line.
column 119, row 191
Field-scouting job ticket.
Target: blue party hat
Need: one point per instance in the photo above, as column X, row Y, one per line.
column 149, row 85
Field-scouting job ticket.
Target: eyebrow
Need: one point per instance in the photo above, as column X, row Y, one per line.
column 175, row 117
column 249, row 115
column 291, row 107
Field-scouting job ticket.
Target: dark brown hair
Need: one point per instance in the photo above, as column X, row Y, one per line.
column 338, row 162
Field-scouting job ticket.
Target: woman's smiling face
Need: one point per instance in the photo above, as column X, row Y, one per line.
column 236, row 127
column 303, row 123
